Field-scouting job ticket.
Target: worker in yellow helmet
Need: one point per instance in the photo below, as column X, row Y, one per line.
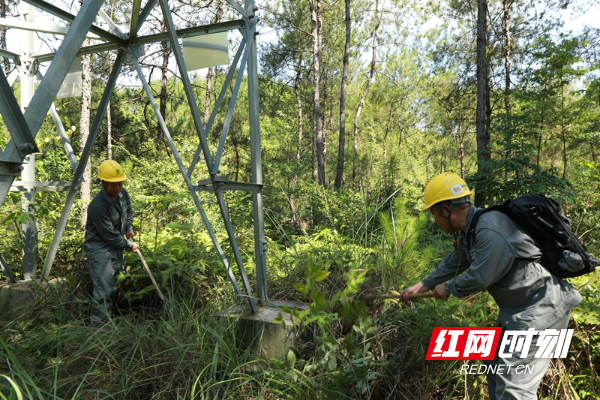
column 498, row 256
column 447, row 192
column 108, row 231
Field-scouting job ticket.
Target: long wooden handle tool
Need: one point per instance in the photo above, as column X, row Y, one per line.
column 152, row 277
column 397, row 296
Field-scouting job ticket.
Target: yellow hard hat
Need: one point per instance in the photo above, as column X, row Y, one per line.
column 448, row 186
column 111, row 171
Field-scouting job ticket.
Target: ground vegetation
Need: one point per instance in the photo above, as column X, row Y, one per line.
column 415, row 91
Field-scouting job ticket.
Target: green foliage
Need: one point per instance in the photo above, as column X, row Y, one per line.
column 330, row 249
column 130, row 358
column 528, row 178
column 400, row 239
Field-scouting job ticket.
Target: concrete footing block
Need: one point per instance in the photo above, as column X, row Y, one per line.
column 17, row 299
column 260, row 332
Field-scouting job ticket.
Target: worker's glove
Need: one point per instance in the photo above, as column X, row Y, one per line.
column 441, row 291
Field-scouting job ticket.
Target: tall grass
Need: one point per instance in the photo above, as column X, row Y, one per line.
column 359, row 350
column 192, row 354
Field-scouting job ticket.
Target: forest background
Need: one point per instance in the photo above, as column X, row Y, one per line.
column 361, row 103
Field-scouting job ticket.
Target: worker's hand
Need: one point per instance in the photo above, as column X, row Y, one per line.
column 440, row 293
column 418, row 288
column 135, row 248
column 129, row 235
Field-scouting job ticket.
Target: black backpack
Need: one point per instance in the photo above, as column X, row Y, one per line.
column 563, row 254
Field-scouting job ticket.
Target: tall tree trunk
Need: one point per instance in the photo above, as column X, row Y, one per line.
column 3, row 37
column 400, row 133
column 541, row 138
column 442, row 161
column 300, row 126
column 164, row 70
column 324, row 114
column 316, row 14
column 488, row 104
column 108, row 133
column 539, row 147
column 387, row 131
column 315, row 173
column 507, row 105
column 563, row 132
column 461, row 144
column 236, row 149
column 480, row 127
column 593, row 147
column 209, row 75
column 109, row 153
column 365, row 93
column 84, row 129
column 343, row 92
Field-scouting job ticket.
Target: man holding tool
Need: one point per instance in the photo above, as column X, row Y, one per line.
column 504, row 261
column 109, row 218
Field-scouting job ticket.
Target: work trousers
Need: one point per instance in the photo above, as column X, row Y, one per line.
column 103, row 272
column 524, row 386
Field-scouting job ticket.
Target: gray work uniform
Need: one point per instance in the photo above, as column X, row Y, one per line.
column 107, row 222
column 504, row 261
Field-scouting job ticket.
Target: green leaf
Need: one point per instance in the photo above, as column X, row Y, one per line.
column 372, row 330
column 291, row 357
column 15, row 387
column 332, row 362
column 299, row 287
column 319, row 297
column 320, row 275
column 180, row 226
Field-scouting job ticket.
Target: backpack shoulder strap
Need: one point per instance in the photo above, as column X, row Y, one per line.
column 471, row 231
column 503, row 208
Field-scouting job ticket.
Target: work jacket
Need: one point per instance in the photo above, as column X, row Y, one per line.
column 107, row 222
column 502, row 259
